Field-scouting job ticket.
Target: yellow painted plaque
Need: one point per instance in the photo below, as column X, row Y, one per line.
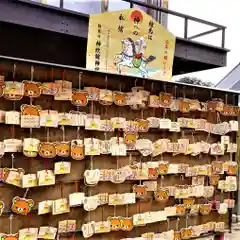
column 130, row 42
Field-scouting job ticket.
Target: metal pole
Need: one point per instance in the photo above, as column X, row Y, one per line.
column 185, row 27
column 223, row 37
column 131, row 4
column 61, row 3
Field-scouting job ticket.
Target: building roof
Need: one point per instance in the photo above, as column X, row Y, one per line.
column 231, row 80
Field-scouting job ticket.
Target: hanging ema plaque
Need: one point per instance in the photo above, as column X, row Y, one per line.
column 130, row 42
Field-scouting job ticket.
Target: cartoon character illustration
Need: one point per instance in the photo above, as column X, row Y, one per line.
column 180, row 210
column 30, row 110
column 22, row 206
column 79, row 98
column 132, row 56
column 10, row 236
column 163, row 168
column 140, row 191
column 186, row 233
column 13, row 90
column 115, row 223
column 177, row 235
column 127, row 224
column 2, row 86
column 119, row 98
column 2, row 205
column 143, row 125
column 63, row 149
column 77, row 151
column 32, row 89
column 165, row 99
column 13, row 176
column 161, row 195
column 47, row 150
column 152, row 173
column 205, row 209
column 130, row 138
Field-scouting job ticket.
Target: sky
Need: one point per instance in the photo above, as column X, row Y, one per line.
column 222, row 12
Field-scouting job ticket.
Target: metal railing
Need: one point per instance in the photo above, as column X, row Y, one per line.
column 187, row 18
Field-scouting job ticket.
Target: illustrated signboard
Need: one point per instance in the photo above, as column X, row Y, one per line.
column 130, row 42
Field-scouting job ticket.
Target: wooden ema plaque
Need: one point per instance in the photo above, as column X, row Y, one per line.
column 64, row 183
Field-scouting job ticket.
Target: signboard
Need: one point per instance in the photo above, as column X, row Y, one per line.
column 130, row 42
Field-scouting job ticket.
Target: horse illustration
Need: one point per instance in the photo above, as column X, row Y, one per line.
column 132, row 56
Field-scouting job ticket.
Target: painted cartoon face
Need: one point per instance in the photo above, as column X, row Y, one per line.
column 79, row 98
column 184, row 106
column 10, row 237
column 140, row 191
column 165, row 99
column 30, row 110
column 127, row 224
column 63, row 149
column 205, row 209
column 217, row 167
column 180, row 210
column 161, row 195
column 115, row 223
column 22, row 206
column 177, row 235
column 29, row 153
column 47, row 150
column 77, row 152
column 130, row 138
column 152, row 173
column 32, row 89
column 13, row 90
column 163, row 168
column 143, row 125
column 119, row 98
column 186, row 233
column 2, row 86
